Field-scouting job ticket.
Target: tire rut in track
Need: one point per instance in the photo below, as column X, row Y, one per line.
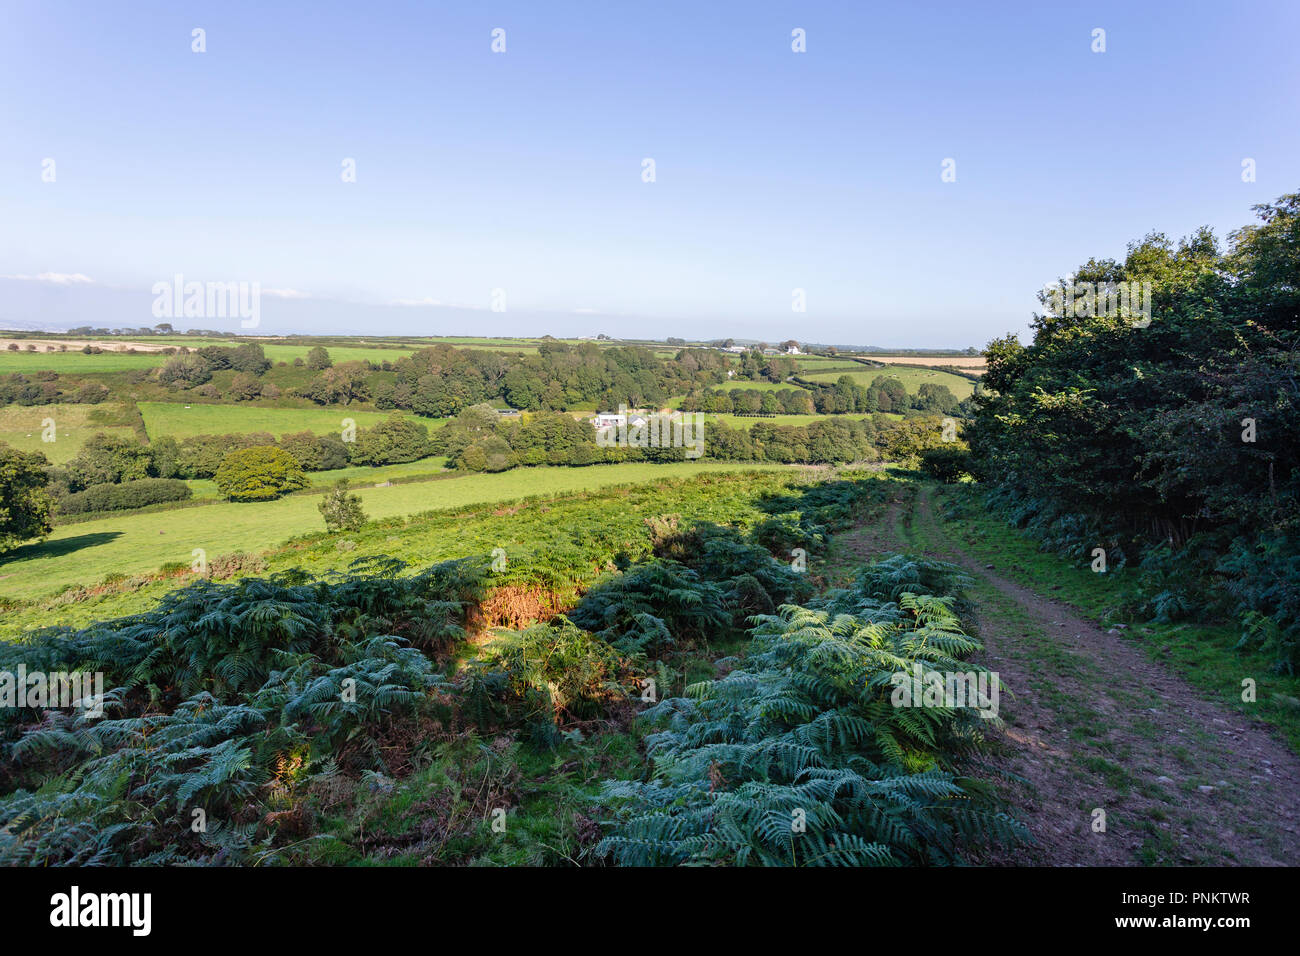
column 1093, row 723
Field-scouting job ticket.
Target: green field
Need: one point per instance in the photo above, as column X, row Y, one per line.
column 748, row 421
column 20, row 427
column 74, row 361
column 816, row 362
column 183, row 421
column 757, row 386
column 83, row 554
column 358, row 475
column 676, row 400
column 911, row 376
column 338, row 354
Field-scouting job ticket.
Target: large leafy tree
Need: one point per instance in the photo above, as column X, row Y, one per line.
column 396, row 439
column 25, row 507
column 1122, row 422
column 259, row 474
column 1177, row 439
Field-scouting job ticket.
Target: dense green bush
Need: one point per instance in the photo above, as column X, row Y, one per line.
column 1180, row 431
column 221, row 698
column 185, row 371
column 109, row 459
column 90, row 393
column 199, row 456
column 544, row 676
column 800, row 756
column 121, row 497
column 259, row 474
column 316, row 452
column 341, row 510
column 395, row 440
column 652, row 606
column 18, row 389
column 25, row 505
column 946, row 463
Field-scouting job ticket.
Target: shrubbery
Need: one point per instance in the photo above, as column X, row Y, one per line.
column 25, row 506
column 214, row 695
column 292, row 708
column 341, row 510
column 1178, row 433
column 946, row 463
column 259, row 474
column 129, row 494
column 798, row 756
column 392, row 441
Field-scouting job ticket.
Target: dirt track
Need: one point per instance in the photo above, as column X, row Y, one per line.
column 1092, row 723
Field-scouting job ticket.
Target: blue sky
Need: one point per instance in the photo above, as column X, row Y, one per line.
column 522, row 171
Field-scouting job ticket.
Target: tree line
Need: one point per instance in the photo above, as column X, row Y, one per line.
column 1170, row 440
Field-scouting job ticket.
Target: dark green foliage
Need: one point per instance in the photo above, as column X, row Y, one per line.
column 129, row 494
column 18, row 389
column 544, row 676
column 25, row 506
column 443, row 381
column 339, row 385
column 109, row 459
column 910, row 439
column 805, row 733
column 90, row 393
column 946, row 463
column 392, row 441
column 751, row 401
column 213, row 694
column 259, row 474
column 133, row 797
column 1263, row 578
column 185, row 371
column 341, row 510
column 752, row 580
column 316, row 452
column 248, row 357
column 201, row 455
column 652, row 606
column 1182, row 433
column 335, row 703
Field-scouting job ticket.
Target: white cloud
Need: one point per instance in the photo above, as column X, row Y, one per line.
column 57, row 278
column 287, row 293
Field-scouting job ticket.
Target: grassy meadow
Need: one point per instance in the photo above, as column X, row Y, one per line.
column 911, row 377
column 74, row 362
column 84, row 553
column 359, row 475
column 21, row 428
column 183, row 421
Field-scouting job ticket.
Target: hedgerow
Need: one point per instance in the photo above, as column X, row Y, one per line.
column 1171, row 443
column 129, row 494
